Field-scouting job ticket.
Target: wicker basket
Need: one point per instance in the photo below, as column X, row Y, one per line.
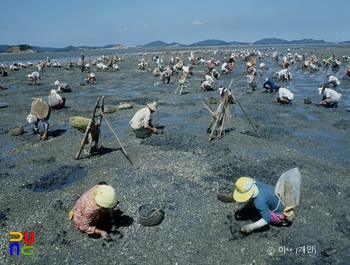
column 15, row 131
column 150, row 216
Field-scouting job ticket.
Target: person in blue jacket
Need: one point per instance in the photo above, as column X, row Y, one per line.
column 269, row 85
column 263, row 199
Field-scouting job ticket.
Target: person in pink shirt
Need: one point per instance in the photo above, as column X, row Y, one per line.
column 88, row 207
column 35, row 76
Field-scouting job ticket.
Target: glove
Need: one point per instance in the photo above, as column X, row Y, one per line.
column 249, row 228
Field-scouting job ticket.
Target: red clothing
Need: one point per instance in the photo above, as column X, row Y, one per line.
column 86, row 211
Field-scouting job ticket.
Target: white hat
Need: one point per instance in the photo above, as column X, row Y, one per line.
column 320, row 89
column 57, row 82
column 266, row 79
column 249, row 64
column 92, row 75
column 222, row 89
column 53, row 91
column 29, row 76
column 31, row 118
column 153, row 106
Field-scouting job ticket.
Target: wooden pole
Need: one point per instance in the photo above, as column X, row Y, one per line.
column 244, row 110
column 121, row 145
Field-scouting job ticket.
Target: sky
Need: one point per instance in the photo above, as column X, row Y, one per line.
column 58, row 24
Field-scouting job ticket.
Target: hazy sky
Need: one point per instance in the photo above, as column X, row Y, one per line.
column 49, row 23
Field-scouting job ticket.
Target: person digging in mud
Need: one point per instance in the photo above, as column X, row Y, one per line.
column 91, row 79
column 166, row 75
column 223, row 90
column 332, row 80
column 40, row 111
column 330, row 97
column 269, row 85
column 35, row 77
column 98, row 200
column 62, row 87
column 284, row 95
column 261, row 202
column 142, row 121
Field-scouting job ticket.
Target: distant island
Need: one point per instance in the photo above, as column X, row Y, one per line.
column 24, row 48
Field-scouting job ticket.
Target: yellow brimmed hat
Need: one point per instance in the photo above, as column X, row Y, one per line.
column 244, row 189
column 105, row 196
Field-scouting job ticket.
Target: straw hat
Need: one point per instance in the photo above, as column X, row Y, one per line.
column 39, row 109
column 105, row 196
column 153, row 106
column 92, row 75
column 320, row 89
column 244, row 189
column 57, row 82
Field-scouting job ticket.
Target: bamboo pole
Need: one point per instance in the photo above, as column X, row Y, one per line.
column 236, row 99
column 121, row 145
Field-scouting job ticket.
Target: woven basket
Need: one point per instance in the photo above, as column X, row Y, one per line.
column 150, row 216
column 15, row 131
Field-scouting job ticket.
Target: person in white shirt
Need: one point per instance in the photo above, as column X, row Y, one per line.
column 284, row 95
column 330, row 97
column 333, row 80
column 283, row 75
column 142, row 121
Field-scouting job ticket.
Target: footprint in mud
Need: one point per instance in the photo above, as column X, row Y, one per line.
column 64, row 175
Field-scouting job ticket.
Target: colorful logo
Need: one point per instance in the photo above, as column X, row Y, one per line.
column 16, row 238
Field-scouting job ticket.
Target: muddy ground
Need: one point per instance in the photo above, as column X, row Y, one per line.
column 179, row 170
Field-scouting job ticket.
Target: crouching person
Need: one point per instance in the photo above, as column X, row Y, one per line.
column 142, row 121
column 40, row 111
column 100, row 199
column 284, row 95
column 56, row 101
column 63, row 87
column 261, row 203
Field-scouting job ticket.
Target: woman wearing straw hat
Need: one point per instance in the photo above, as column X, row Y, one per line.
column 40, row 111
column 100, row 198
column 260, row 198
column 142, row 121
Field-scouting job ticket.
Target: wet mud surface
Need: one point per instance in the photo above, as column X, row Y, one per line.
column 178, row 169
